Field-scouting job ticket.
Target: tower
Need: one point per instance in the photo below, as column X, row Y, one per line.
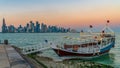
column 4, row 27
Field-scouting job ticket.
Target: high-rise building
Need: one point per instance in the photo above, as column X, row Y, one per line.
column 4, row 27
column 20, row 29
column 37, row 27
column 27, row 28
column 32, row 26
column 11, row 29
column 44, row 28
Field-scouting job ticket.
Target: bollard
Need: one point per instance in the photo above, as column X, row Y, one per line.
column 6, row 42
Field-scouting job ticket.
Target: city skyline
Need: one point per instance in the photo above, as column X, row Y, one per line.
column 34, row 27
column 76, row 14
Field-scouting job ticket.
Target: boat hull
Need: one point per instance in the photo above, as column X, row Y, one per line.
column 62, row 53
column 66, row 53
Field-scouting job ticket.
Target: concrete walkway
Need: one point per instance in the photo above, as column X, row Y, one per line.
column 10, row 58
column 4, row 62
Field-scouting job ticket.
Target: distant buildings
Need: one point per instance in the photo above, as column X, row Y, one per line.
column 4, row 27
column 32, row 27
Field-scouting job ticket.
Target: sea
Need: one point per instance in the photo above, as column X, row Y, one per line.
column 31, row 39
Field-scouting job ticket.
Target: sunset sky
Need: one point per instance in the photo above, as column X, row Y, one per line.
column 77, row 14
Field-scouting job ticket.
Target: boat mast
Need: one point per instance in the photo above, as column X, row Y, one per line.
column 107, row 27
column 90, row 30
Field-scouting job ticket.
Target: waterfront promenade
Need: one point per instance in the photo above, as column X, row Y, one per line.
column 10, row 58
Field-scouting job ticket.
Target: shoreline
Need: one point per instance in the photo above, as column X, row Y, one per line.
column 47, row 62
column 69, row 63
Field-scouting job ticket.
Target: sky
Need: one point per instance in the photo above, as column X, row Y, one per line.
column 76, row 14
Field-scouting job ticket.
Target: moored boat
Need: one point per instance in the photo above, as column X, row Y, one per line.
column 90, row 44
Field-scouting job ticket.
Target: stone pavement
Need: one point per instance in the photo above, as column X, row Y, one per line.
column 10, row 58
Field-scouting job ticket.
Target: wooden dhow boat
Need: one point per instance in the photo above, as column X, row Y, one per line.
column 90, row 44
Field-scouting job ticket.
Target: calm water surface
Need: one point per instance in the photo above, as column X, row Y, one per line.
column 26, row 39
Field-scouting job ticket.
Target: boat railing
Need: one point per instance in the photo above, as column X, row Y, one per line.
column 100, row 41
column 87, row 34
column 89, row 40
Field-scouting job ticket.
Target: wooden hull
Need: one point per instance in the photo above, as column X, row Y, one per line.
column 66, row 53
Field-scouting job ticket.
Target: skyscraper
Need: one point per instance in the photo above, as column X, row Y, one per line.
column 28, row 28
column 4, row 27
column 11, row 29
column 32, row 26
column 37, row 27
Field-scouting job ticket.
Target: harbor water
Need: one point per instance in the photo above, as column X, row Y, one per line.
column 31, row 39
